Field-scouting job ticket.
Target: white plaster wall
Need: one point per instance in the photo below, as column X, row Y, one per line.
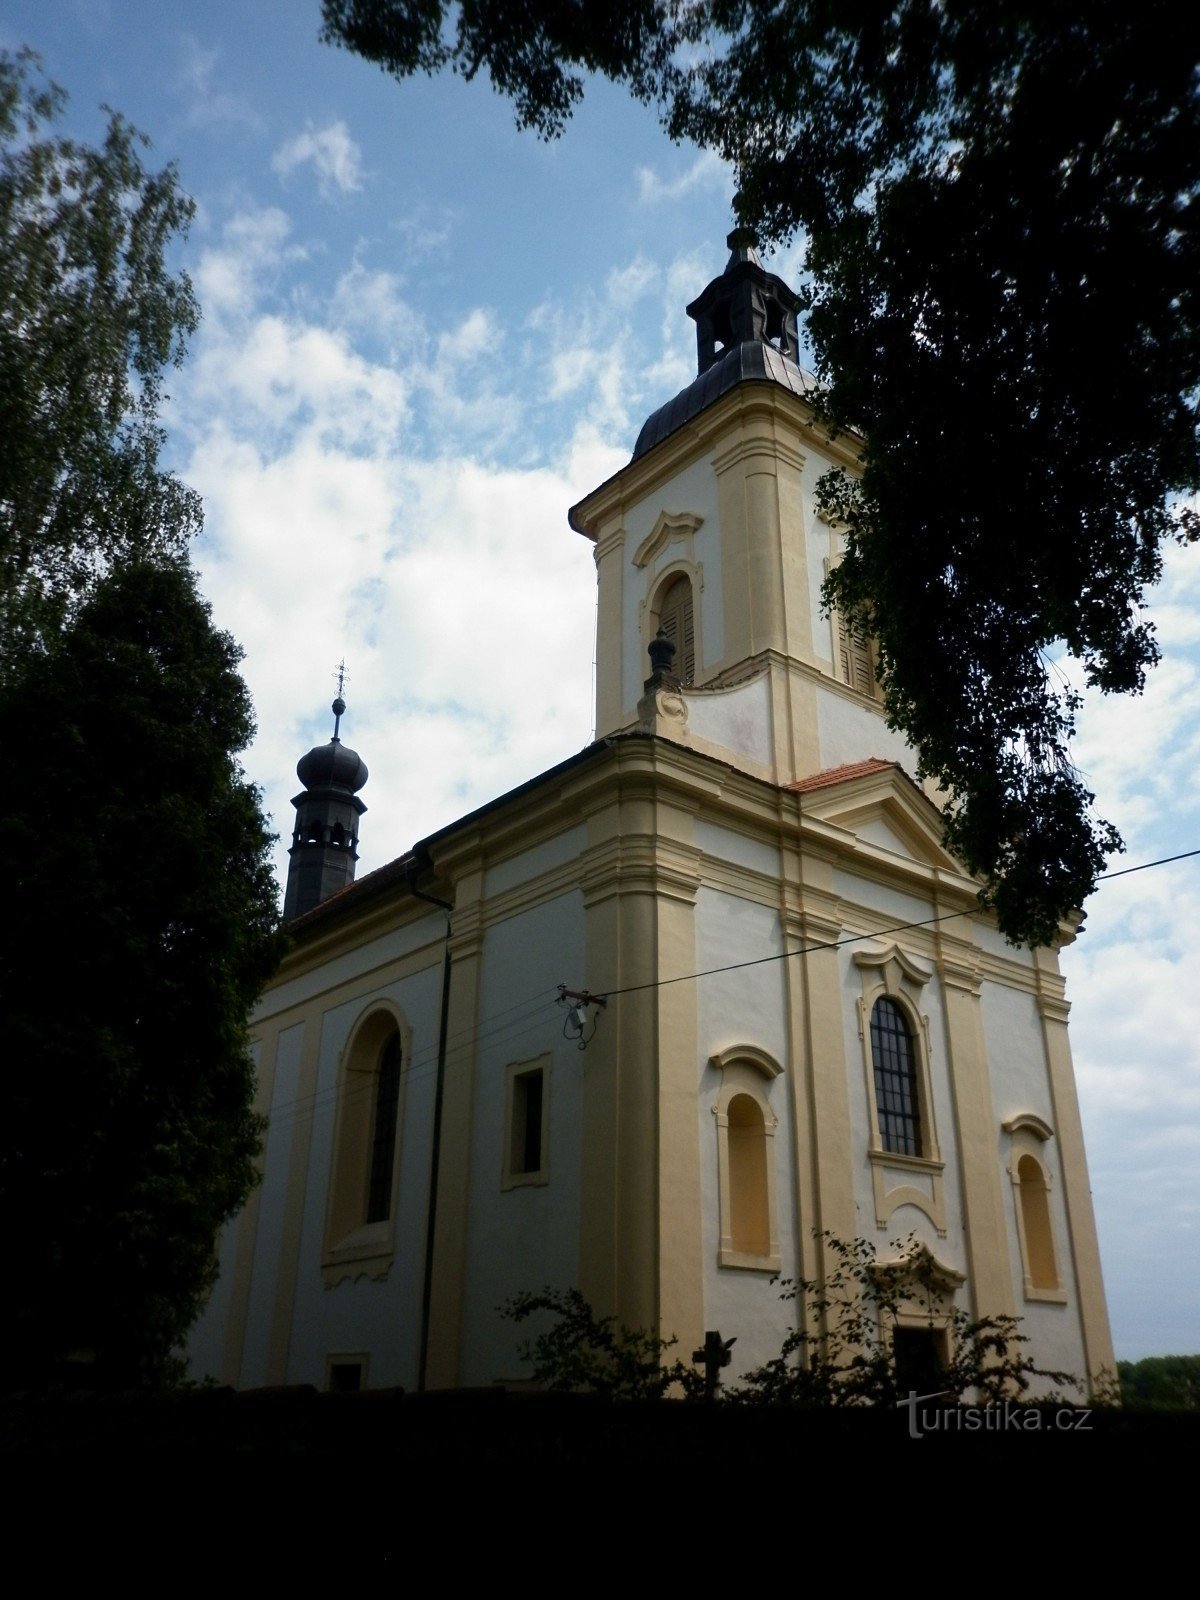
column 895, row 905
column 268, row 1242
column 994, row 942
column 369, row 957
column 822, row 547
column 737, row 719
column 527, row 1237
column 692, row 490
column 529, row 864
column 380, row 1317
column 744, row 1007
column 726, row 844
column 851, row 730
column 876, row 831
column 1012, row 1032
column 1020, row 1082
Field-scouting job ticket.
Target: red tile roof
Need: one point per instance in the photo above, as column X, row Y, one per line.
column 832, row 775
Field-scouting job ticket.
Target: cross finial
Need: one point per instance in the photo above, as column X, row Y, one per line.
column 339, row 705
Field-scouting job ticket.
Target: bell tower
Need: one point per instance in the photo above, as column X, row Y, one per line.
column 324, row 849
column 712, row 538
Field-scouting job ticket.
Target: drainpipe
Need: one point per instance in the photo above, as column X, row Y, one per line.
column 421, row 862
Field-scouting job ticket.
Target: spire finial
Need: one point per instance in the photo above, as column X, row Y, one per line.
column 339, row 705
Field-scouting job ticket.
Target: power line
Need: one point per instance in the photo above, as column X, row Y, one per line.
column 855, row 938
column 1185, row 855
column 501, row 1023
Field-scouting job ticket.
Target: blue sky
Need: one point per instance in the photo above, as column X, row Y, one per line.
column 425, row 335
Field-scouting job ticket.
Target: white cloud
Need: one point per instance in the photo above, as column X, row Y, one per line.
column 334, row 155
column 365, row 495
column 707, row 171
column 1135, row 1004
column 206, row 103
column 233, row 274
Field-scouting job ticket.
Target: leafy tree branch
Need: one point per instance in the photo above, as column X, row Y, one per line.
column 1000, row 210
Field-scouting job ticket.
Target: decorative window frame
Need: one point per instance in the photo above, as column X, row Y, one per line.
column 1029, row 1134
column 510, row 1179
column 901, row 1180
column 668, row 525
column 745, row 1069
column 840, row 638
column 357, row 1249
column 649, row 607
column 925, row 1289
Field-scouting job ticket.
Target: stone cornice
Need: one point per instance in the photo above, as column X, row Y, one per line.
column 745, row 403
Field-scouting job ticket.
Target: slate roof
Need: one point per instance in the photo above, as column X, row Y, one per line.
column 753, row 361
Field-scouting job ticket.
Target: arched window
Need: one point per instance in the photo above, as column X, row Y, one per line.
column 383, row 1132
column 1030, row 1174
column 746, row 1158
column 360, row 1219
column 676, row 619
column 897, row 1097
column 1035, row 1213
column 906, row 1166
column 749, row 1211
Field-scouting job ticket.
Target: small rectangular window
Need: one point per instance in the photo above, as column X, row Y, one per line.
column 346, row 1374
column 526, row 1123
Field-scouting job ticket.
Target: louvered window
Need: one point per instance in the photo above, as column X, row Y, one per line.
column 677, row 621
column 856, row 660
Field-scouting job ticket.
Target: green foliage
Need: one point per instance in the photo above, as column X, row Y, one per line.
column 528, row 51
column 89, row 319
column 999, row 204
column 1163, row 1383
column 585, row 1354
column 141, row 926
column 840, row 1351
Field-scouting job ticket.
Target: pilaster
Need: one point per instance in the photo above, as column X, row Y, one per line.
column 975, row 1126
column 1068, row 1127
column 454, row 1153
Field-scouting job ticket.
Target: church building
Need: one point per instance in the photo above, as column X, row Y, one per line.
column 650, row 1023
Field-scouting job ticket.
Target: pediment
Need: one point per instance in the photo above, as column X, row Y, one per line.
column 886, row 811
column 670, row 525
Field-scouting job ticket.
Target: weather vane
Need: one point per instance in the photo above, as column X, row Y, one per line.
column 339, row 705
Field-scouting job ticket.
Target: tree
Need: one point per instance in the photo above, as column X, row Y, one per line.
column 842, row 1350
column 1000, row 205
column 141, row 926
column 581, row 1353
column 840, row 1353
column 1163, row 1383
column 89, row 319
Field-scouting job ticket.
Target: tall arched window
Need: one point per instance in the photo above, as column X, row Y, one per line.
column 383, row 1132
column 360, row 1220
column 897, row 1098
column 746, row 1128
column 1029, row 1167
column 1040, row 1265
column 677, row 620
column 749, row 1210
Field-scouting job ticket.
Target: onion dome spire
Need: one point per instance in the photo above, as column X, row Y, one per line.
column 324, row 849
